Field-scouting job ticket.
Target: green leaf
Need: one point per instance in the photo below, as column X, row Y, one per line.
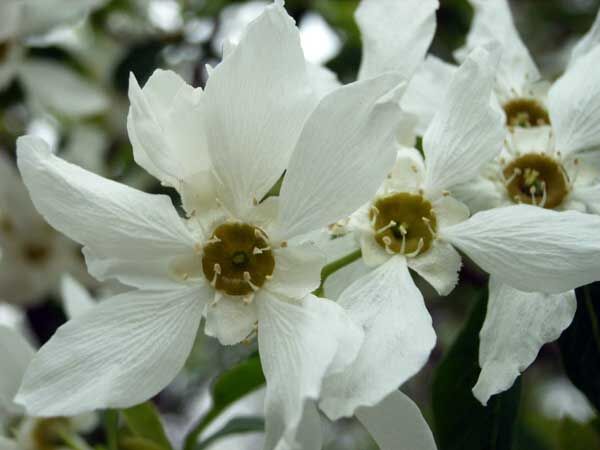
column 580, row 344
column 144, row 421
column 238, row 425
column 111, row 427
column 138, row 443
column 461, row 422
column 577, row 436
column 229, row 387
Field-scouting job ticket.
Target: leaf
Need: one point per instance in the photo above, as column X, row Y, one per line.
column 577, row 436
column 580, row 344
column 237, row 425
column 229, row 387
column 111, row 426
column 138, row 443
column 461, row 422
column 144, row 422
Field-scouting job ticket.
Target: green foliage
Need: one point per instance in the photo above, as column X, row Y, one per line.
column 234, row 426
column 461, row 422
column 576, row 436
column 144, row 422
column 580, row 344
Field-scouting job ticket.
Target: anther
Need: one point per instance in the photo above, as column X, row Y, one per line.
column 259, row 251
column 391, row 224
column 428, row 224
column 213, row 240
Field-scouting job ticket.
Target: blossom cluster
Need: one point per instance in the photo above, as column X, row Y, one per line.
column 303, row 210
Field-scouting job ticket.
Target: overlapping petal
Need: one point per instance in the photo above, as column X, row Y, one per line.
column 516, row 326
column 230, row 320
column 590, row 196
column 531, row 248
column 15, row 354
column 439, row 266
column 587, row 42
column 76, row 299
column 119, row 354
column 398, row 339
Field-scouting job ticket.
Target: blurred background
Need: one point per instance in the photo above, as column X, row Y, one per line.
column 67, row 82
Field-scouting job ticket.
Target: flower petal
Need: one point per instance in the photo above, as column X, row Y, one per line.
column 397, row 424
column 516, row 326
column 41, row 17
column 230, row 320
column 300, row 343
column 531, row 248
column 76, row 299
column 574, row 105
column 426, row 90
column 398, row 339
column 322, row 79
column 256, row 102
column 343, row 155
column 439, row 266
column 8, row 444
column 121, row 353
column 590, row 195
column 15, row 354
column 467, row 132
column 493, row 22
column 60, row 89
column 587, row 42
column 395, row 35
column 10, row 18
column 165, row 126
column 449, row 211
column 408, row 172
column 119, row 226
column 297, row 270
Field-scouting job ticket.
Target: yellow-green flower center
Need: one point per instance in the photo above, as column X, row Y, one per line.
column 237, row 259
column 536, row 179
column 403, row 223
column 525, row 113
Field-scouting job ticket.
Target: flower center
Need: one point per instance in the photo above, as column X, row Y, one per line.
column 536, row 179
column 403, row 223
column 525, row 113
column 46, row 433
column 237, row 259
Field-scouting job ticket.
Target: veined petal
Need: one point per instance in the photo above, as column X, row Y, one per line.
column 230, row 320
column 397, row 424
column 398, row 339
column 165, row 126
column 76, row 299
column 117, row 224
column 60, row 89
column 256, row 102
column 532, row 248
column 322, row 79
column 300, row 343
column 574, row 105
column 587, row 42
column 395, row 35
column 119, row 354
column 493, row 22
column 590, row 195
column 426, row 90
column 467, row 132
column 516, row 326
column 408, row 172
column 343, row 155
column 15, row 354
column 41, row 17
column 439, row 266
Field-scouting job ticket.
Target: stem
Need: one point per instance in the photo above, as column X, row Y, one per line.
column 334, row 266
column 111, row 422
column 73, row 441
column 192, row 437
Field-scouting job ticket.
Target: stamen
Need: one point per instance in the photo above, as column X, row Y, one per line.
column 217, row 272
column 418, row 250
column 218, row 296
column 532, row 194
column 213, row 240
column 248, row 299
column 391, row 224
column 387, row 242
column 248, row 280
column 428, row 224
column 259, row 251
column 514, row 175
column 544, row 195
column 403, row 245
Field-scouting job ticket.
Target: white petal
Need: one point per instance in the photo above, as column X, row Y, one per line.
column 256, row 102
column 60, row 89
column 15, row 354
column 230, row 320
column 516, row 326
column 322, row 79
column 439, row 266
column 8, row 444
column 587, row 42
column 119, row 354
column 574, row 105
column 531, row 248
column 395, row 35
column 480, row 194
column 76, row 299
column 408, row 172
column 10, row 18
column 86, row 147
column 449, row 211
column 343, row 155
column 40, row 17
column 372, row 253
column 165, row 126
column 117, row 224
column 397, row 424
column 590, row 195
column 297, row 271
column 300, row 343
column 339, row 281
column 426, row 90
column 398, row 339
column 493, row 22
column 467, row 132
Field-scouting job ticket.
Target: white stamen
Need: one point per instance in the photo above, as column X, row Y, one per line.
column 216, row 299
column 515, row 174
column 532, row 194
column 248, row 280
column 428, row 224
column 544, row 195
column 392, row 224
column 248, row 299
column 418, row 250
column 217, row 270
column 259, row 251
column 214, row 240
column 387, row 242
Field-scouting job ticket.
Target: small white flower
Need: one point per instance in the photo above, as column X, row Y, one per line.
column 235, row 259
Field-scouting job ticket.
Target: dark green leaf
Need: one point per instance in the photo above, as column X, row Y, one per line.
column 111, row 427
column 462, row 423
column 580, row 344
column 235, row 426
column 144, row 421
column 577, row 436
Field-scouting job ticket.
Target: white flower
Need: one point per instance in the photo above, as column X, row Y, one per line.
column 34, row 255
column 236, row 260
column 48, row 84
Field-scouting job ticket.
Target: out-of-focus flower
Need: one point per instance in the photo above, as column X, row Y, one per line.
column 238, row 258
column 557, row 398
